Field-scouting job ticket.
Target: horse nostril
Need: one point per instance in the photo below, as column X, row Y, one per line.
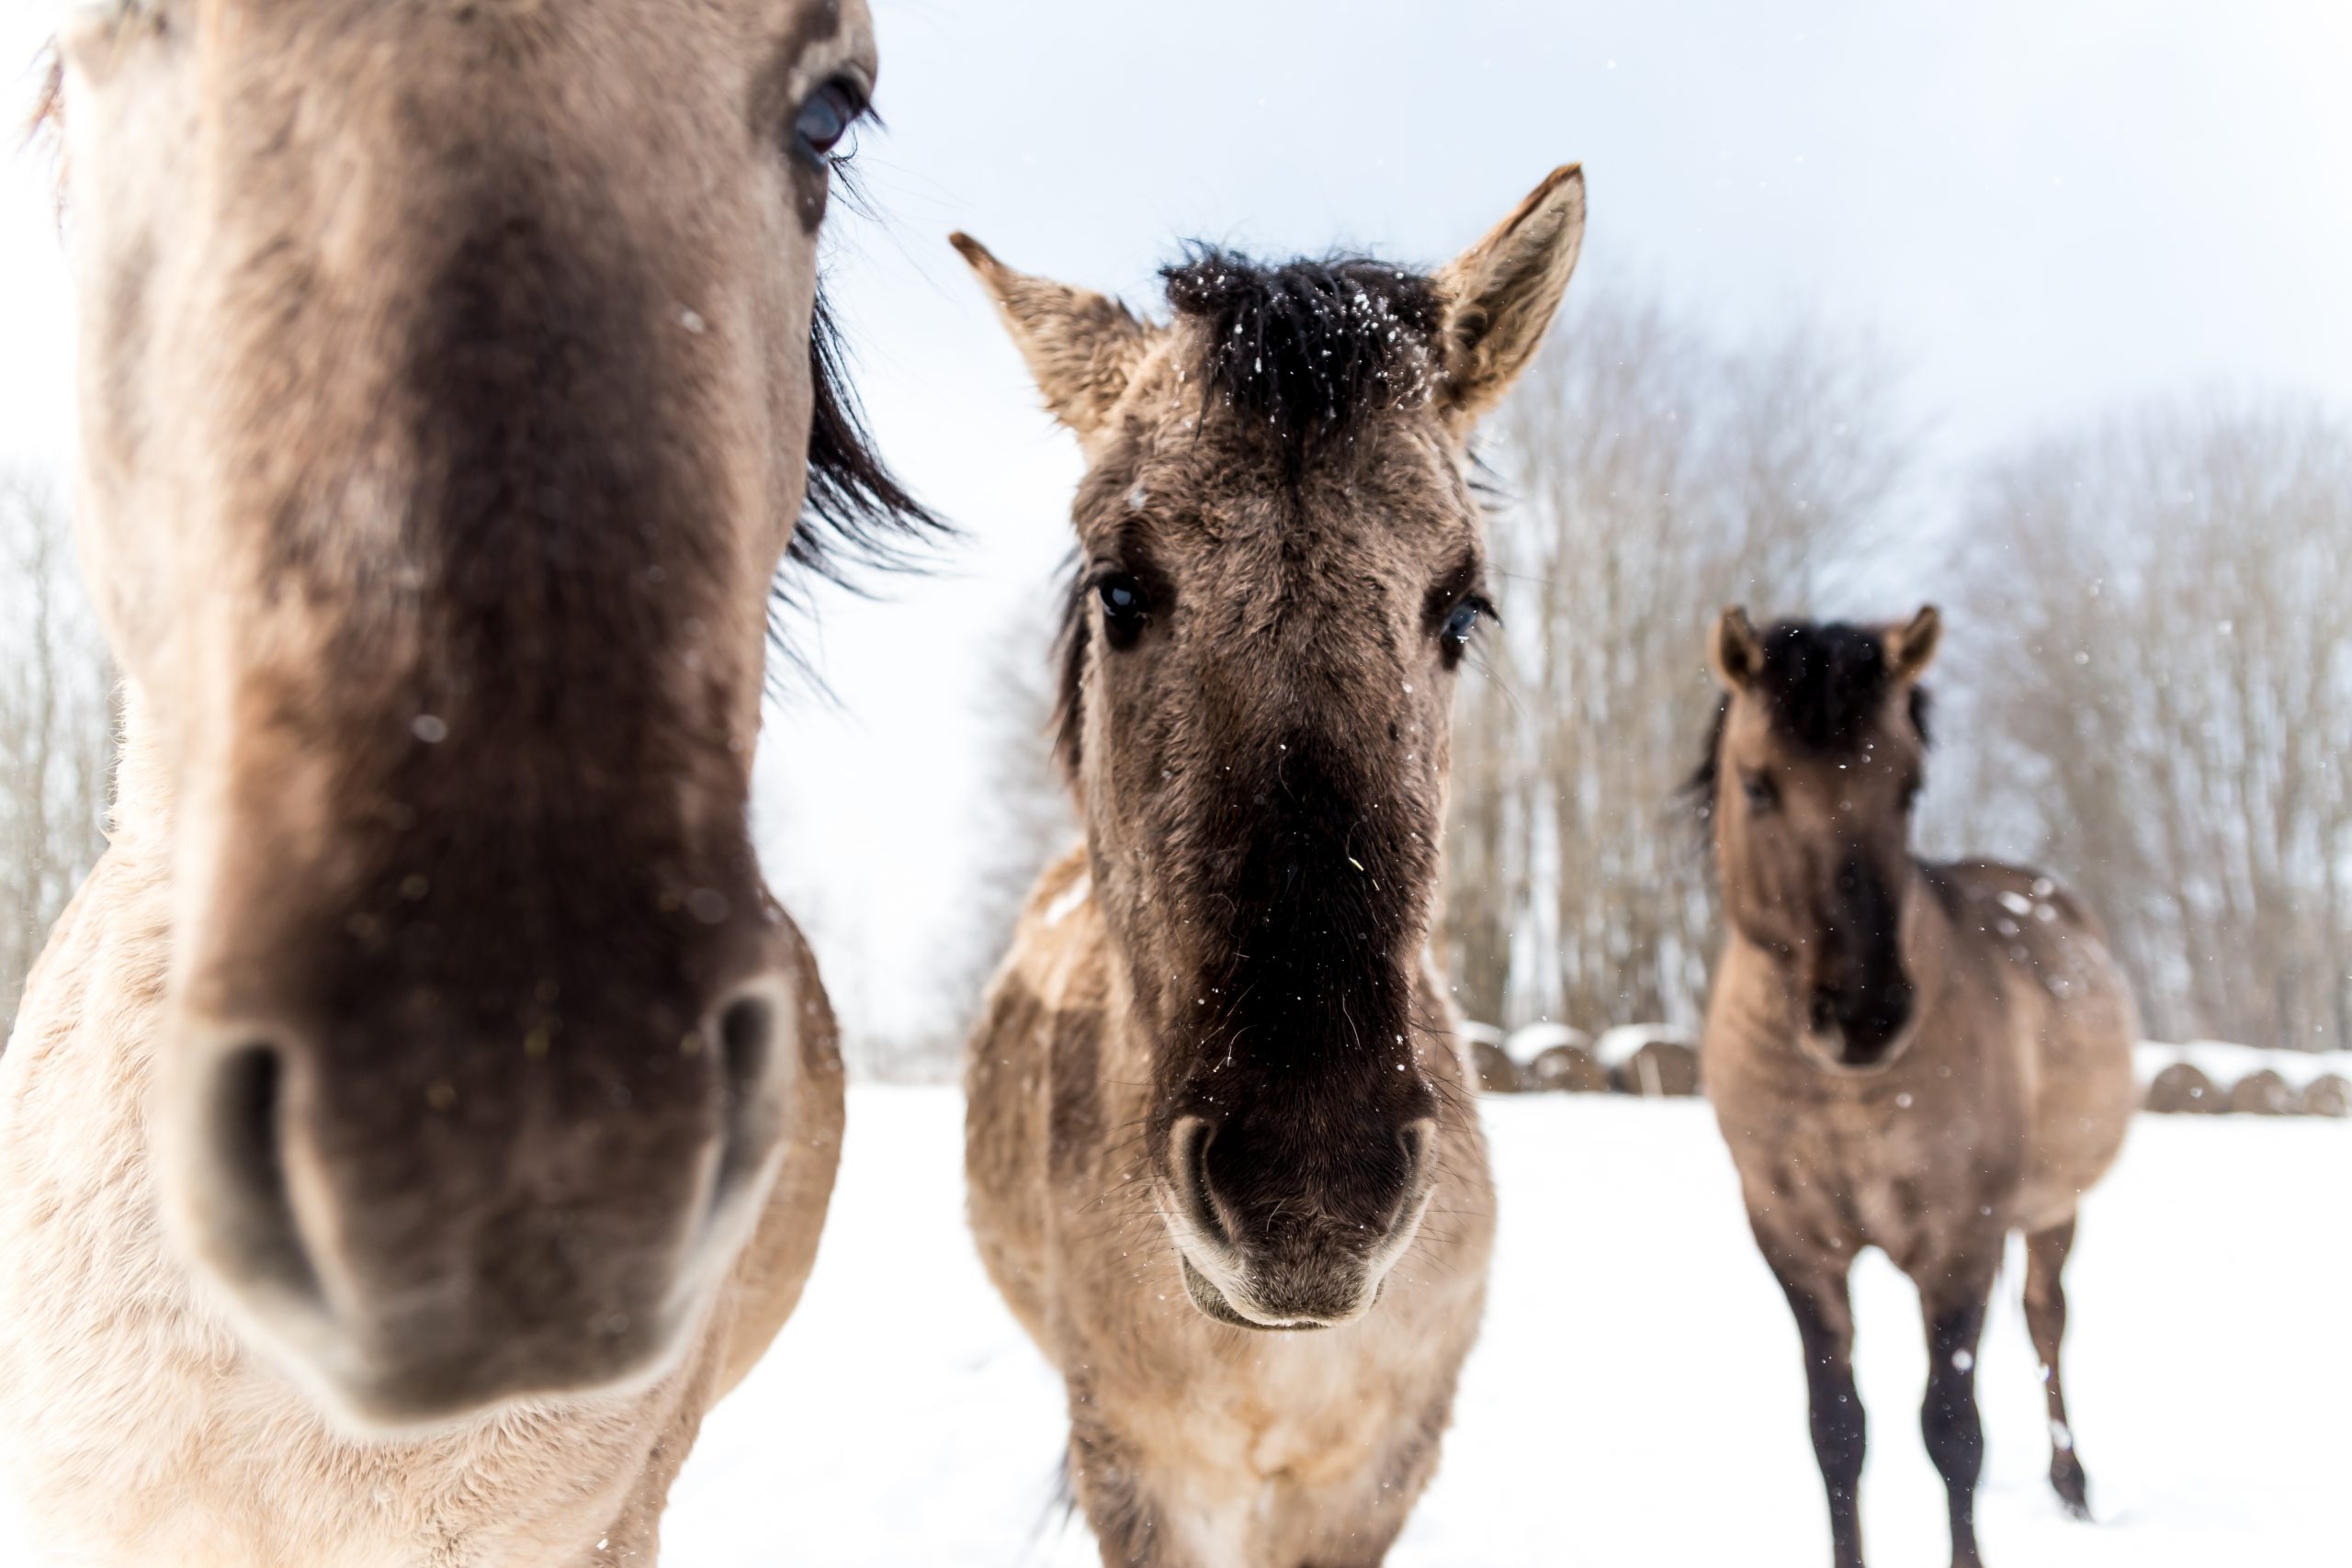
column 1188, row 1154
column 745, row 1030
column 246, row 1141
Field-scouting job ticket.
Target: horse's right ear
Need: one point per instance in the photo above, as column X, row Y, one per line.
column 1734, row 651
column 1500, row 294
column 1083, row 348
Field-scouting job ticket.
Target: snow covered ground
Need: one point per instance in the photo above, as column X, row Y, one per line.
column 1636, row 1398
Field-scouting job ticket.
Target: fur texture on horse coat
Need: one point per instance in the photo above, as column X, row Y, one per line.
column 1222, row 1138
column 1914, row 1056
column 424, row 1112
column 146, row 1434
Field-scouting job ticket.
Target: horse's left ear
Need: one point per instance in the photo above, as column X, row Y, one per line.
column 1082, row 347
column 1911, row 649
column 1500, row 294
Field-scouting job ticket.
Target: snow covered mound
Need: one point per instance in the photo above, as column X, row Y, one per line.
column 1636, row 1397
column 2226, row 1064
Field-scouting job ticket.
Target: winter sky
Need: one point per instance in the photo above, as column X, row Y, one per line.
column 2040, row 209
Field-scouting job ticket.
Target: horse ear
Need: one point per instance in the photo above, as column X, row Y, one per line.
column 1734, row 651
column 1500, row 294
column 1083, row 348
column 1911, row 649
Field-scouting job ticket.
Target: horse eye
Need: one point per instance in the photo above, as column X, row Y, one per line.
column 1761, row 795
column 1454, row 635
column 1910, row 793
column 827, row 117
column 1123, row 610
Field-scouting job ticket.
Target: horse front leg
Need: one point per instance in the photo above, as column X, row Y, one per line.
column 1817, row 1289
column 1954, row 1299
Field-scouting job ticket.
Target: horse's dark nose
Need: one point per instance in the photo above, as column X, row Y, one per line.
column 524, row 1222
column 1863, row 1020
column 1270, row 1240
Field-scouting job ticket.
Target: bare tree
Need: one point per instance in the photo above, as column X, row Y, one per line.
column 56, row 725
column 2163, row 714
column 1649, row 475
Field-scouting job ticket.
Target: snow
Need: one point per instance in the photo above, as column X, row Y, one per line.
column 1637, row 1395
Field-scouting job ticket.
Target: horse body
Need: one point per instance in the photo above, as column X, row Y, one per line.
column 1984, row 1092
column 1302, row 1447
column 1222, row 1144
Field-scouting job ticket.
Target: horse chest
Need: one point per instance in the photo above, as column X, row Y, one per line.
column 1297, row 1415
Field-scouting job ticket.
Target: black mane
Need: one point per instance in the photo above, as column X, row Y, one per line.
column 1310, row 348
column 857, row 515
column 1823, row 684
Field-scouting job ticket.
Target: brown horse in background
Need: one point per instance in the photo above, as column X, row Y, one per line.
column 1912, row 1056
column 423, row 1114
column 1222, row 1140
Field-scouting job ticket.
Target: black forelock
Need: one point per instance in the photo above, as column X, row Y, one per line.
column 1823, row 684
column 1308, row 348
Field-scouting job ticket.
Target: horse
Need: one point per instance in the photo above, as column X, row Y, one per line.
column 1223, row 1155
column 423, row 1112
column 1914, row 1056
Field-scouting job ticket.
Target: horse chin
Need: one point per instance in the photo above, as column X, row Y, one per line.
column 1212, row 1304
column 1834, row 1055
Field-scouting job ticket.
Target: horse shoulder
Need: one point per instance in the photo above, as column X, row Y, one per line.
column 1040, row 1021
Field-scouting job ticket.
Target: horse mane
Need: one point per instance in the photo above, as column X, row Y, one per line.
column 1823, row 684
column 1307, row 349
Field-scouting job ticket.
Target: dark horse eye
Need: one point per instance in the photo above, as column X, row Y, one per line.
column 1123, row 610
column 1454, row 635
column 1761, row 795
column 826, row 117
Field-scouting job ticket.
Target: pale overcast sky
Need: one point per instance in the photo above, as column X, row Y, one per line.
column 2040, row 209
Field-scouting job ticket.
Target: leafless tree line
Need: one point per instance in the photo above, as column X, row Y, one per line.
column 2159, row 701
column 1646, row 475
column 56, row 725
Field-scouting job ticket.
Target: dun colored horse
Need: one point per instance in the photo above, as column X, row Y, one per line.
column 1916, row 1058
column 1224, row 1158
column 424, row 1112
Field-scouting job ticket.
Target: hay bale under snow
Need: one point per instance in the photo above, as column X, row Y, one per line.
column 2182, row 1090
column 1498, row 1074
column 1662, row 1067
column 2263, row 1093
column 1566, row 1069
column 2327, row 1095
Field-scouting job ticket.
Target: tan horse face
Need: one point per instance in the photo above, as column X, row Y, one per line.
column 1817, row 756
column 447, row 392
column 1280, row 565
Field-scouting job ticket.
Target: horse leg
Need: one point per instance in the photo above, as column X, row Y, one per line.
column 2045, row 1318
column 1825, row 1317
column 1128, row 1524
column 1953, row 1300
